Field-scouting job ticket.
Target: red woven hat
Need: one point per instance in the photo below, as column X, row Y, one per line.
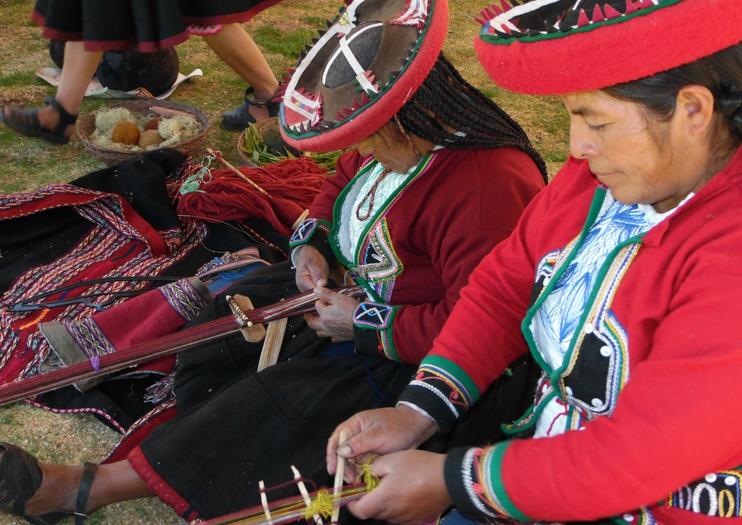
column 563, row 46
column 369, row 62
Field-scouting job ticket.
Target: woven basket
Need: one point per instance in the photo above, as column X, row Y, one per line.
column 86, row 126
column 269, row 125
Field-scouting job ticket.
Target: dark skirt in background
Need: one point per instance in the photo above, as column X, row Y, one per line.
column 145, row 25
column 236, row 427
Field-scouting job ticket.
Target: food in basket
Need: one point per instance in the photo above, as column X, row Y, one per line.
column 119, row 129
column 125, row 132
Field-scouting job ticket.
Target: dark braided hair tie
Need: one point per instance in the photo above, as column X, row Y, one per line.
column 729, row 102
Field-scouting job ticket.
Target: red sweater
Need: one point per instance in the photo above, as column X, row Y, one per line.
column 428, row 240
column 668, row 307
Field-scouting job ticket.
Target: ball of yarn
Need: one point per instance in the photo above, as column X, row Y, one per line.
column 150, row 137
column 152, row 123
column 125, row 132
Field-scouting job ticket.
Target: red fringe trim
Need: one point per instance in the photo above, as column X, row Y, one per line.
column 159, row 486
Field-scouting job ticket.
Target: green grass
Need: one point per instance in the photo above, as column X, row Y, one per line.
column 286, row 43
column 282, row 32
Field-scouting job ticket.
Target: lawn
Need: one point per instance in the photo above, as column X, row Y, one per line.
column 281, row 32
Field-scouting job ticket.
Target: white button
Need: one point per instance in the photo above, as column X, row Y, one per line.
column 710, row 478
column 596, row 402
column 589, row 328
column 730, row 481
column 606, row 351
column 568, row 391
column 628, row 517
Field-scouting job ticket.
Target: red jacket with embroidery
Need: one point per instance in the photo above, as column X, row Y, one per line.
column 669, row 309
column 428, row 240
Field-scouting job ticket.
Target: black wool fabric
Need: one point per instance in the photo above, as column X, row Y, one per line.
column 236, row 427
column 144, row 24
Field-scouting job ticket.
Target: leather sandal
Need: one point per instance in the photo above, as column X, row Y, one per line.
column 239, row 118
column 25, row 121
column 20, row 478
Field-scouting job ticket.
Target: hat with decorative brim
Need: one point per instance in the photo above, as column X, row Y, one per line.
column 368, row 63
column 565, row 46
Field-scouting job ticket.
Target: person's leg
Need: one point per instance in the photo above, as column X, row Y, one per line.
column 238, row 50
column 79, row 67
column 58, row 491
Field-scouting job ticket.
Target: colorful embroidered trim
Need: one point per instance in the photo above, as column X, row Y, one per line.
column 379, row 263
column 306, row 230
column 551, row 19
column 89, row 337
column 379, row 317
column 442, row 389
column 374, row 316
column 717, row 494
column 183, row 298
column 482, row 468
column 602, row 344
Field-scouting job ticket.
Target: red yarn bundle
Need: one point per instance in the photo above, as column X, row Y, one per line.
column 291, row 186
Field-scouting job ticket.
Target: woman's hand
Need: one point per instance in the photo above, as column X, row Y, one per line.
column 412, row 489
column 377, row 432
column 312, row 269
column 334, row 316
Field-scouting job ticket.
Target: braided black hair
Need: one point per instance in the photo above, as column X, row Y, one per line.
column 446, row 99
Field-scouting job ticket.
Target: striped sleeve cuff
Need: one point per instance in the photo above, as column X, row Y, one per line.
column 373, row 329
column 474, row 482
column 306, row 231
column 312, row 232
column 442, row 389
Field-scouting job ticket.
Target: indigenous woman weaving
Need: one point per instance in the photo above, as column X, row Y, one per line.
column 439, row 176
column 622, row 280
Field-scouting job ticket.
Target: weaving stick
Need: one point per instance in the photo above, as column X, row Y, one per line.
column 304, row 493
column 162, row 346
column 272, row 344
column 237, row 172
column 339, row 474
column 264, row 501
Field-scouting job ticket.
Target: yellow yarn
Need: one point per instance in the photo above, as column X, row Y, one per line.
column 320, row 505
column 367, row 476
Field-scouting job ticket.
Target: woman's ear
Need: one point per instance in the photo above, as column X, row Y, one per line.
column 695, row 106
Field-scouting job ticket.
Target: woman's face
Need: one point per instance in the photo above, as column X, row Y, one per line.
column 390, row 148
column 640, row 159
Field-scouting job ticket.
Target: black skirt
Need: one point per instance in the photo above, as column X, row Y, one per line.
column 145, row 25
column 236, row 427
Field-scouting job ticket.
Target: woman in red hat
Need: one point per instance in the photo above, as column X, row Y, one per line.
column 439, row 176
column 622, row 281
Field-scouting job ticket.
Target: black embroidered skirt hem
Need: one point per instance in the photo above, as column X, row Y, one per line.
column 117, row 25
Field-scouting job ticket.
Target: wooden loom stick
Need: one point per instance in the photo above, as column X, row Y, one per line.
column 272, row 344
column 237, row 172
column 162, row 346
column 304, row 493
column 339, row 474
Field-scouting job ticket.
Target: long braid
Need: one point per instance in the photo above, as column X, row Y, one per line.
column 446, row 99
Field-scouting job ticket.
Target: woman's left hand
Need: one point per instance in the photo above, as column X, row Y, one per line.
column 334, row 316
column 412, row 489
